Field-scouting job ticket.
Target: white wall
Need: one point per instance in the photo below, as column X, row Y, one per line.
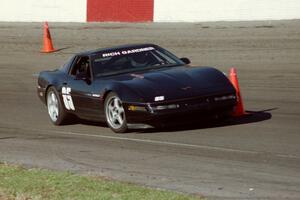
column 223, row 10
column 164, row 10
column 43, row 10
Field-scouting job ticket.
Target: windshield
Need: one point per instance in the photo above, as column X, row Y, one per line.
column 132, row 60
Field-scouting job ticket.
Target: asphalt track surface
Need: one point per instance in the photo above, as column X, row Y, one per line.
column 254, row 157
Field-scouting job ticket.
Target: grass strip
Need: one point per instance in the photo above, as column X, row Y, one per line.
column 36, row 184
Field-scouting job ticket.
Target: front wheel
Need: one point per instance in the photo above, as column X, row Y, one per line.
column 115, row 113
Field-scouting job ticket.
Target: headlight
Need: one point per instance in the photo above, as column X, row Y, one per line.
column 225, row 97
column 165, row 107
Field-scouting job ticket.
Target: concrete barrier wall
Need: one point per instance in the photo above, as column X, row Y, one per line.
column 43, row 10
column 142, row 10
column 225, row 10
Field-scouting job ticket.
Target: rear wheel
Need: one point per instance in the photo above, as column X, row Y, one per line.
column 55, row 108
column 115, row 113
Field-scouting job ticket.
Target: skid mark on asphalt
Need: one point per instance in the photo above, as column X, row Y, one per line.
column 157, row 142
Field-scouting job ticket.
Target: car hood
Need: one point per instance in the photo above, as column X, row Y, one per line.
column 176, row 83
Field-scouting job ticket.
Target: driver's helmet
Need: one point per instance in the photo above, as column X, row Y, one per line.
column 84, row 67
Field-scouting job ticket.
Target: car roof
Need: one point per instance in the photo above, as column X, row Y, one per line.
column 129, row 46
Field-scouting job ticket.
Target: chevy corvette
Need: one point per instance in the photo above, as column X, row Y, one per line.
column 141, row 83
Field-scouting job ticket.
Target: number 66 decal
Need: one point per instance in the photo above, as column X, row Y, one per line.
column 66, row 94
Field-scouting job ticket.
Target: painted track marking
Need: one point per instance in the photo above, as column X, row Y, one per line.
column 149, row 141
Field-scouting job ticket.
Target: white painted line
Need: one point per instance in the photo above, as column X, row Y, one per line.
column 151, row 141
column 162, row 143
column 287, row 156
column 172, row 144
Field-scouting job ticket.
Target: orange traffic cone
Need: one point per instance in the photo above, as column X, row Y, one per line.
column 48, row 47
column 239, row 110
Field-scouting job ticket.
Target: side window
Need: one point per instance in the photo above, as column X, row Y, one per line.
column 81, row 67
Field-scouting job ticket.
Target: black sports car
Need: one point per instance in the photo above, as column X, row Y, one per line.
column 141, row 83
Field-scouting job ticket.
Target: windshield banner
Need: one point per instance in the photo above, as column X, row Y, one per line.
column 126, row 52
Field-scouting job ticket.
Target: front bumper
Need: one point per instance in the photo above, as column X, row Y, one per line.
column 184, row 108
column 41, row 93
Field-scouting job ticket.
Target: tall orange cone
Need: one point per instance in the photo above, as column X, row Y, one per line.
column 48, row 46
column 239, row 110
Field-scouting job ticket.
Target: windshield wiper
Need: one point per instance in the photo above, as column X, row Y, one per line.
column 164, row 65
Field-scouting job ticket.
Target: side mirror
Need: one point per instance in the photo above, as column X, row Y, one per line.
column 185, row 60
column 81, row 76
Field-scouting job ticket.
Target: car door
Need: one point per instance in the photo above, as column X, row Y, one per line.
column 80, row 88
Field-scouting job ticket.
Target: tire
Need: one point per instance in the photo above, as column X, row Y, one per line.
column 115, row 113
column 56, row 110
